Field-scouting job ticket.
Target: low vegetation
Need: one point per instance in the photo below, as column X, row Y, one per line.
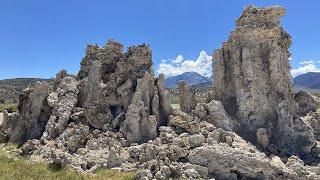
column 9, row 107
column 20, row 168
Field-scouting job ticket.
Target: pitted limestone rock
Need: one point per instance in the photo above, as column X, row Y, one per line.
column 62, row 101
column 118, row 89
column 187, row 96
column 307, row 102
column 252, row 77
column 139, row 125
column 34, row 113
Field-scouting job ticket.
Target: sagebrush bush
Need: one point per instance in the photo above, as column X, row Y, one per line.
column 9, row 107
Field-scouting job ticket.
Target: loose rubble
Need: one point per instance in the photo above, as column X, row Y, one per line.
column 116, row 114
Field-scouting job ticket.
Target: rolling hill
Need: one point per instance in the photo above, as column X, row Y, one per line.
column 310, row 80
column 10, row 89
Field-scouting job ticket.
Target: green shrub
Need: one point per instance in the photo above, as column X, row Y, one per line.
column 9, row 107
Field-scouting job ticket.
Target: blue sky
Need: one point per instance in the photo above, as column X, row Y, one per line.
column 38, row 38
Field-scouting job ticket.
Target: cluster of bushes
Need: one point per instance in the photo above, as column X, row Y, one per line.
column 9, row 107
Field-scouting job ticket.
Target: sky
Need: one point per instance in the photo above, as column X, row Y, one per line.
column 38, row 38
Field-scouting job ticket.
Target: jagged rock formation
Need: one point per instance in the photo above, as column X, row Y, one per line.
column 306, row 102
column 309, row 111
column 116, row 114
column 34, row 113
column 113, row 91
column 62, row 100
column 253, row 81
column 187, row 97
column 114, row 82
column 139, row 126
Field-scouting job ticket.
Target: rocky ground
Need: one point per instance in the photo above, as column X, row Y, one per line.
column 1, row 118
column 116, row 114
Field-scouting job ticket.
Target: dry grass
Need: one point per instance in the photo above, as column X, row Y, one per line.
column 20, row 168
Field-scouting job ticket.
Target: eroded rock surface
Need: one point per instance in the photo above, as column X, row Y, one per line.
column 306, row 102
column 116, row 114
column 187, row 97
column 34, row 113
column 253, row 80
column 62, row 101
column 114, row 90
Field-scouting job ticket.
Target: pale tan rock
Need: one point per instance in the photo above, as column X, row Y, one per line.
column 307, row 102
column 139, row 126
column 117, row 157
column 313, row 120
column 63, row 100
column 262, row 137
column 165, row 101
column 218, row 115
column 196, row 140
column 73, row 137
column 253, row 80
column 34, row 113
column 187, row 97
column 109, row 82
column 5, row 120
column 183, row 122
column 293, row 133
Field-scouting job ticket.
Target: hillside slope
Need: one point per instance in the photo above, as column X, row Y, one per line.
column 310, row 80
column 10, row 89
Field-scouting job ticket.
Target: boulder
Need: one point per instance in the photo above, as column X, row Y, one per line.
column 183, row 122
column 293, row 134
column 307, row 102
column 313, row 120
column 218, row 115
column 262, row 137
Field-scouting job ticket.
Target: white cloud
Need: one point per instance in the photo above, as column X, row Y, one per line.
column 311, row 67
column 179, row 59
column 202, row 65
column 306, row 62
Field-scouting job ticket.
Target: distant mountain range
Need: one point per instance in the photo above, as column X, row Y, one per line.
column 10, row 89
column 191, row 78
column 309, row 81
